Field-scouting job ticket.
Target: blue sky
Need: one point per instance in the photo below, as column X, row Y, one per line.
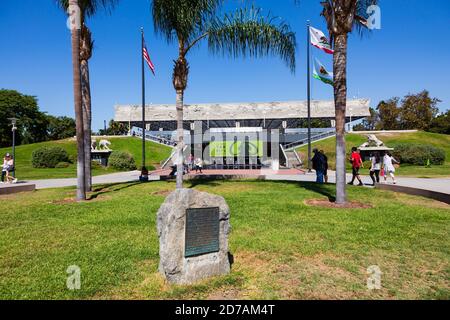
column 410, row 53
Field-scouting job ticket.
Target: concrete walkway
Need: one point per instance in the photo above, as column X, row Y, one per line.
column 119, row 177
column 436, row 184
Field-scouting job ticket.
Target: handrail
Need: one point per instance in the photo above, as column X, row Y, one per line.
column 298, row 157
column 171, row 156
column 168, row 159
column 285, row 156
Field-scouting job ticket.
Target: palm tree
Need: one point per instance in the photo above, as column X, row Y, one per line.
column 88, row 8
column 342, row 16
column 75, row 34
column 245, row 32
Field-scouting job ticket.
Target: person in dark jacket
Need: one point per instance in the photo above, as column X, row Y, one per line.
column 325, row 172
column 318, row 163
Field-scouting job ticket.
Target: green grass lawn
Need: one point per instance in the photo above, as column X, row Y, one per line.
column 283, row 248
column 355, row 140
column 25, row 171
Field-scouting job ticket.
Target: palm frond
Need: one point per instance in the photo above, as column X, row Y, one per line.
column 182, row 19
column 90, row 7
column 247, row 32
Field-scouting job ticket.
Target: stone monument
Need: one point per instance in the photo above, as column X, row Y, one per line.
column 100, row 152
column 373, row 145
column 193, row 230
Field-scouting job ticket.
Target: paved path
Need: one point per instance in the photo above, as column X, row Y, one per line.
column 437, row 184
column 104, row 179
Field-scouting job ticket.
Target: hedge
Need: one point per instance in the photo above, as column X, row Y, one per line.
column 121, row 161
column 48, row 157
column 418, row 154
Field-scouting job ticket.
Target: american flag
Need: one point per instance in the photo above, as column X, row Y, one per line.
column 148, row 60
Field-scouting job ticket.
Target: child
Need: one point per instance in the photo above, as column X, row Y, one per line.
column 375, row 168
column 388, row 166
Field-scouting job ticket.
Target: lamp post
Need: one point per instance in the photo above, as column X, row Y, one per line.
column 14, row 128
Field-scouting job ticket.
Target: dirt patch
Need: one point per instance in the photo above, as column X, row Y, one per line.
column 163, row 193
column 231, row 294
column 325, row 203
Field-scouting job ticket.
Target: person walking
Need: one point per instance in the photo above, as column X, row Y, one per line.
column 198, row 165
column 388, row 166
column 375, row 168
column 318, row 164
column 325, row 162
column 357, row 163
column 191, row 162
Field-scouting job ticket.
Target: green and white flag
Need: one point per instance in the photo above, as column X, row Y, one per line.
column 320, row 73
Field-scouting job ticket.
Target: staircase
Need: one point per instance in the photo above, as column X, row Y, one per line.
column 169, row 161
column 292, row 158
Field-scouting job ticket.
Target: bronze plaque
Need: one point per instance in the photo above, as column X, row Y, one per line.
column 202, row 231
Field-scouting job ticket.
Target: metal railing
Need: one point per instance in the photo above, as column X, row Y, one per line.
column 316, row 137
column 160, row 140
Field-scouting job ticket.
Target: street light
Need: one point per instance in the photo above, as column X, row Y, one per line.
column 14, row 128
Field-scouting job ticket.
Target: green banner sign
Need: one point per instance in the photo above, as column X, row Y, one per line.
column 235, row 148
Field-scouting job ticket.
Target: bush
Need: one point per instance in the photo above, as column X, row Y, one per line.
column 61, row 165
column 418, row 154
column 48, row 157
column 95, row 165
column 121, row 161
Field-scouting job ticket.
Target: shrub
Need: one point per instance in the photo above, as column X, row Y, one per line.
column 61, row 165
column 121, row 161
column 95, row 165
column 48, row 157
column 418, row 154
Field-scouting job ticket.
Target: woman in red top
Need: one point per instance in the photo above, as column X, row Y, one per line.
column 357, row 163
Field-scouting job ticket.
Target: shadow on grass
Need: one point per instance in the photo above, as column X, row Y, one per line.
column 327, row 190
column 203, row 182
column 110, row 188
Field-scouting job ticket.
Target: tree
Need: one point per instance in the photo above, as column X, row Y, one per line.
column 245, row 32
column 60, row 128
column 389, row 114
column 75, row 26
column 371, row 121
column 342, row 16
column 32, row 124
column 114, row 129
column 441, row 124
column 417, row 111
column 88, row 8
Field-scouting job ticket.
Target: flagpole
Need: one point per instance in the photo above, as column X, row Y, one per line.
column 143, row 99
column 308, row 70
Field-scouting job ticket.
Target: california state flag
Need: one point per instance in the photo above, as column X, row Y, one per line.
column 319, row 40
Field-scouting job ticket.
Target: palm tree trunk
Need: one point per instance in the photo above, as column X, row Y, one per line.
column 180, row 135
column 340, row 100
column 87, row 121
column 81, row 190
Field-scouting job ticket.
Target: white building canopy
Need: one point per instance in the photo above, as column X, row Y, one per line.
column 358, row 108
